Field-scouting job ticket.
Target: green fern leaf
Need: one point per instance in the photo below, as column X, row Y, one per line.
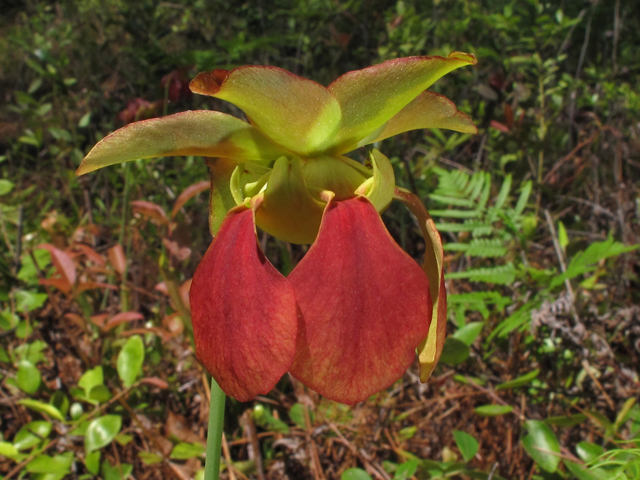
column 501, row 275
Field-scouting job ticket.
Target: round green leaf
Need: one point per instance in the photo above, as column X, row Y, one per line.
column 355, row 474
column 130, row 360
column 5, row 186
column 466, row 443
column 469, row 332
column 541, row 444
column 28, row 377
column 92, row 462
column 493, row 410
column 101, row 432
column 454, row 352
column 588, row 451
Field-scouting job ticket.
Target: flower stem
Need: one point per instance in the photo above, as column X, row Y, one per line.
column 214, row 434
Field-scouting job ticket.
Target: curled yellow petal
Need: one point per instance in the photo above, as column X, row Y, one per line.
column 430, row 348
column 288, row 211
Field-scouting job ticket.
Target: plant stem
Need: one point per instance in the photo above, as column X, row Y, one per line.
column 214, row 434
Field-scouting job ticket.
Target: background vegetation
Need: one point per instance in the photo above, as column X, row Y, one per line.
column 540, row 212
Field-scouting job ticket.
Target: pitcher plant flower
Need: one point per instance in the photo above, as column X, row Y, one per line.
column 348, row 319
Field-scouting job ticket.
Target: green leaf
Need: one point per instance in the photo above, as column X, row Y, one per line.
column 582, row 473
column 184, row 451
column 60, row 401
column 355, row 474
column 584, row 262
column 85, row 120
column 493, row 410
column 149, row 458
column 118, row 472
column 588, row 451
column 454, row 351
column 32, row 434
column 101, row 431
column 27, row 301
column 99, row 394
column 520, row 381
column 566, row 420
column 92, row 462
column 28, row 377
column 262, row 416
column 541, row 444
column 563, row 237
column 467, row 444
column 47, row 464
column 406, row 470
column 8, row 450
column 90, row 379
column 501, row 275
column 5, row 186
column 41, row 407
column 130, row 360
column 296, row 414
column 469, row 332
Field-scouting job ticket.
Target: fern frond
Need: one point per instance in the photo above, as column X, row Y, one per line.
column 501, row 275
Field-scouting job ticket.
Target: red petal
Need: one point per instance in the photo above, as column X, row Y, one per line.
column 243, row 312
column 365, row 305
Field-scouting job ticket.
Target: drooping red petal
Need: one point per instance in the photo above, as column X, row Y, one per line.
column 365, row 305
column 243, row 312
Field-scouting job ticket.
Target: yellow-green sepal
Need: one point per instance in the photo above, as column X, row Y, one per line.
column 220, row 198
column 202, row 132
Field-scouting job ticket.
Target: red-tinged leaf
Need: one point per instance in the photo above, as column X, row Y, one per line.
column 122, row 317
column 151, row 210
column 175, row 250
column 162, row 288
column 499, row 126
column 184, row 293
column 371, row 96
column 188, row 193
column 173, row 323
column 297, row 113
column 205, row 133
column 155, row 382
column 63, row 264
column 364, row 304
column 75, row 318
column 99, row 319
column 117, row 259
column 243, row 312
column 59, row 283
column 430, row 349
column 91, row 254
column 93, row 286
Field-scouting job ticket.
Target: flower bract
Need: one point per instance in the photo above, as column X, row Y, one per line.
column 348, row 319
